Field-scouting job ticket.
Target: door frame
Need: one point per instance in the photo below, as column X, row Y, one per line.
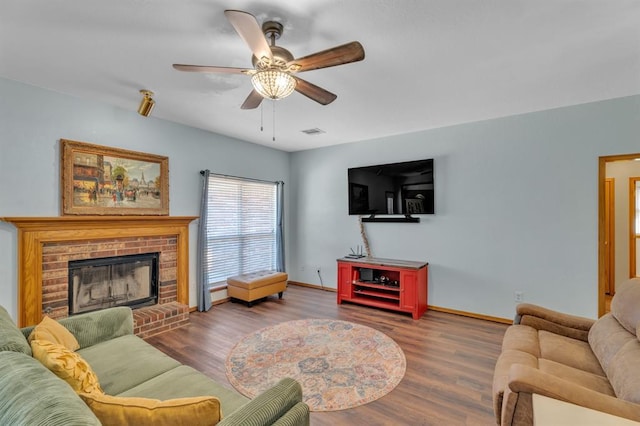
column 610, row 248
column 632, row 226
column 602, row 168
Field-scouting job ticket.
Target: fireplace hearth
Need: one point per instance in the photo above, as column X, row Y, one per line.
column 101, row 283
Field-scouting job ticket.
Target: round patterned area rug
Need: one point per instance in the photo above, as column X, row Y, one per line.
column 338, row 363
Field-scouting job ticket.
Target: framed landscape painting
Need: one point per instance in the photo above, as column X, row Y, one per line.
column 99, row 180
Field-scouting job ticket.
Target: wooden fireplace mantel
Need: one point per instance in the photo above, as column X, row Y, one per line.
column 34, row 232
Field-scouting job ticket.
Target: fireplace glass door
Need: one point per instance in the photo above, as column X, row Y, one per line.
column 113, row 281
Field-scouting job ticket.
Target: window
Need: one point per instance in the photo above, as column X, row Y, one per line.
column 241, row 228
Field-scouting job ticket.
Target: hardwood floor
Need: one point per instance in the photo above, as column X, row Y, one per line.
column 450, row 358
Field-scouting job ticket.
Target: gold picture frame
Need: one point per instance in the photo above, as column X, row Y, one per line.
column 100, row 180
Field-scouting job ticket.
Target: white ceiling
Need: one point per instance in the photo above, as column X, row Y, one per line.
column 429, row 63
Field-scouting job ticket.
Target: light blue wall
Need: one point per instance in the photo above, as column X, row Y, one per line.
column 516, row 197
column 516, row 207
column 32, row 121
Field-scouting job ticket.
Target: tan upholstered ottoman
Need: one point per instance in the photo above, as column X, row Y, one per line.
column 257, row 285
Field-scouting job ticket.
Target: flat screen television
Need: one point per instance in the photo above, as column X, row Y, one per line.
column 405, row 188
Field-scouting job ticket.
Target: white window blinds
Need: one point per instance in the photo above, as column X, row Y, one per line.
column 241, row 227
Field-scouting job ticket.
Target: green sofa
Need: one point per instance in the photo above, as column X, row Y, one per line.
column 126, row 366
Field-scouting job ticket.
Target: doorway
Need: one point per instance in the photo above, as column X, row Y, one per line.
column 617, row 216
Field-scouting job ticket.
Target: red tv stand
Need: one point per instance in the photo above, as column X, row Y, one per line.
column 398, row 285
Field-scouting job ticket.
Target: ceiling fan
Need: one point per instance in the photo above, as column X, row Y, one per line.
column 273, row 75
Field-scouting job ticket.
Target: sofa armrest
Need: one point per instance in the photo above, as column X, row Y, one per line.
column 528, row 380
column 555, row 322
column 99, row 326
column 30, row 395
column 298, row 415
column 282, row 403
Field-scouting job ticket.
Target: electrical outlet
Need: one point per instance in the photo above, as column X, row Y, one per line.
column 518, row 296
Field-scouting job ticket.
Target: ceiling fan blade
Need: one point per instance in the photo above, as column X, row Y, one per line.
column 247, row 27
column 253, row 100
column 206, row 68
column 345, row 54
column 314, row 92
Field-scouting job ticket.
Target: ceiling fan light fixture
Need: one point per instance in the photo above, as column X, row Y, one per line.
column 273, row 84
column 146, row 104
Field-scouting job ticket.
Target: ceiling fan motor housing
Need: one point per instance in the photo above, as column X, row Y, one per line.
column 272, row 30
column 281, row 57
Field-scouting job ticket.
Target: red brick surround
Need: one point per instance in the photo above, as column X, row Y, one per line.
column 149, row 320
column 56, row 255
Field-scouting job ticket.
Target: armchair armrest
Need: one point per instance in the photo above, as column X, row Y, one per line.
column 524, row 379
column 555, row 322
column 99, row 326
column 281, row 405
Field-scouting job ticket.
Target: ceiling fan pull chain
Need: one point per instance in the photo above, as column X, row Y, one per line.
column 261, row 119
column 274, row 120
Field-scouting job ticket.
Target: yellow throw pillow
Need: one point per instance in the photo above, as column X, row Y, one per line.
column 67, row 365
column 51, row 330
column 117, row 410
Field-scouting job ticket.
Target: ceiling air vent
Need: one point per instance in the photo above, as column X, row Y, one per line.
column 314, row 131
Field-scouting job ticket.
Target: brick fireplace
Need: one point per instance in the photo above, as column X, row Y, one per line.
column 46, row 245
